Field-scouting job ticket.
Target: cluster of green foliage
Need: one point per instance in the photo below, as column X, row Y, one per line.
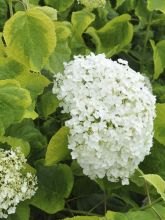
column 36, row 38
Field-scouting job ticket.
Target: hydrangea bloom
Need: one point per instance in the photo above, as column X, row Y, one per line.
column 14, row 185
column 112, row 111
column 91, row 4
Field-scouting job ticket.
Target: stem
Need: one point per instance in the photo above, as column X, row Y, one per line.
column 157, row 213
column 105, row 203
column 146, row 39
column 69, row 209
column 75, row 198
column 98, row 204
column 26, row 2
column 10, row 7
column 22, row 4
column 81, row 212
column 147, row 32
column 147, row 192
column 150, row 205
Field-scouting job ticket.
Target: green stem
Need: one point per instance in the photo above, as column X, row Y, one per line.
column 148, row 194
column 105, row 203
column 148, row 30
column 150, row 205
column 69, row 209
column 146, row 40
column 26, row 2
column 156, row 213
column 10, row 7
column 97, row 205
column 81, row 212
column 75, row 198
column 22, row 4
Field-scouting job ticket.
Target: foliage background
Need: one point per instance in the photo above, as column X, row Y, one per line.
column 36, row 38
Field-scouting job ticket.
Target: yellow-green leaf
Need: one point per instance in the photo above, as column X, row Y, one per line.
column 49, row 11
column 57, row 148
column 113, row 36
column 34, row 82
column 80, row 21
column 11, row 69
column 14, row 101
column 47, row 104
column 60, row 5
column 84, row 218
column 158, row 57
column 159, row 123
column 157, row 182
column 156, row 5
column 62, row 51
column 15, row 143
column 30, row 38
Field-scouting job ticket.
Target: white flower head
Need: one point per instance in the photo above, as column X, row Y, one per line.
column 91, row 4
column 112, row 111
column 15, row 186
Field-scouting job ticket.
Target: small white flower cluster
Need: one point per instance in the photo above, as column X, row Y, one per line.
column 14, row 185
column 112, row 111
column 91, row 4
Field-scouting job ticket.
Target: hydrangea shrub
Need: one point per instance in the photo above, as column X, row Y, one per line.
column 112, row 112
column 82, row 97
column 15, row 186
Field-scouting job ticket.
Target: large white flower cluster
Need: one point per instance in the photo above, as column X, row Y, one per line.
column 15, row 186
column 112, row 111
column 91, row 4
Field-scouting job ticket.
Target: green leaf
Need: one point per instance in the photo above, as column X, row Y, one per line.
column 84, row 218
column 54, row 185
column 136, row 178
column 119, row 2
column 85, row 187
column 157, row 182
column 148, row 214
column 11, row 69
column 22, row 212
column 50, row 12
column 159, row 123
column 47, row 104
column 2, row 49
column 62, row 51
column 34, row 2
column 30, row 38
column 61, row 5
column 127, row 5
column 76, row 169
column 27, row 131
column 156, row 157
column 158, row 57
column 115, row 216
column 30, row 113
column 80, row 21
column 156, row 5
column 113, row 36
column 29, row 169
column 28, row 80
column 3, row 13
column 57, row 148
column 14, row 101
column 15, row 143
column 142, row 12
